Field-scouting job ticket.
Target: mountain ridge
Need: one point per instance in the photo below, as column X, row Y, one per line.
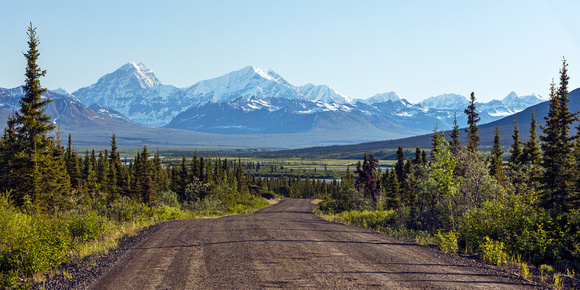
column 155, row 104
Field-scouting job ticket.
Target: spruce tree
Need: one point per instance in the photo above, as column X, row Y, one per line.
column 183, row 178
column 114, row 178
column 434, row 142
column 455, row 143
column 393, row 194
column 472, row 119
column 399, row 166
column 8, row 150
column 348, row 180
column 195, row 165
column 531, row 153
column 367, row 178
column 32, row 123
column 145, row 187
column 496, row 161
column 35, row 163
column 417, row 160
column 556, row 147
column 516, row 150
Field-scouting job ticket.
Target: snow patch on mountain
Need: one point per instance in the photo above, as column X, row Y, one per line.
column 446, row 101
column 382, row 97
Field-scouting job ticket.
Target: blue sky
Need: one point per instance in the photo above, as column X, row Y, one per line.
column 415, row 48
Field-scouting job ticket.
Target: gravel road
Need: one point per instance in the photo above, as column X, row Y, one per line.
column 286, row 246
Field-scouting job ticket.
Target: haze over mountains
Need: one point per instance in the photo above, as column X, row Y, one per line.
column 252, row 101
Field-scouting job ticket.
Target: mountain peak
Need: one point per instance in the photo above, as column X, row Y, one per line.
column 446, row 101
column 141, row 72
column 253, row 71
column 384, row 97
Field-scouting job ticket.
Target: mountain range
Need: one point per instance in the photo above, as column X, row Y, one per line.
column 252, row 101
column 486, row 132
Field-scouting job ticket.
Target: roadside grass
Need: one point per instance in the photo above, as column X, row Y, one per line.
column 32, row 245
column 380, row 221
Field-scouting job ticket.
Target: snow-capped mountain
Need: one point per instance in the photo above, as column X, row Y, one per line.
column 516, row 103
column 252, row 100
column 381, row 98
column 134, row 91
column 446, row 101
column 65, row 110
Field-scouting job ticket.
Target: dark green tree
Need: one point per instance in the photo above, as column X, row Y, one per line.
column 531, row 153
column 417, row 160
column 434, row 142
column 472, row 119
column 32, row 158
column 114, row 178
column 455, row 143
column 556, row 148
column 515, row 158
column 367, row 178
column 495, row 159
column 393, row 192
column 399, row 166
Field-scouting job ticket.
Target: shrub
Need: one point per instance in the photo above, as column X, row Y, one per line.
column 492, row 252
column 85, row 228
column 375, row 220
column 30, row 244
column 525, row 271
column 446, row 242
column 168, row 198
column 557, row 283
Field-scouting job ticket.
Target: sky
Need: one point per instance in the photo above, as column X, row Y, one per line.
column 418, row 49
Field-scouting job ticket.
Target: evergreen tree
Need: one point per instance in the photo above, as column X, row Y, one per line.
column 195, row 165
column 434, row 142
column 103, row 172
column 417, row 160
column 393, row 194
column 348, row 180
column 160, row 178
column 32, row 123
column 367, row 178
column 89, row 176
column 242, row 188
column 31, row 157
column 531, row 152
column 399, row 166
column 455, row 143
column 145, row 187
column 183, row 178
column 201, row 169
column 8, row 151
column 114, row 171
column 516, row 150
column 472, row 119
column 496, row 161
column 54, row 192
column 557, row 158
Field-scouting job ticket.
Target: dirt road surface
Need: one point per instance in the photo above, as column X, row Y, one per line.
column 286, row 246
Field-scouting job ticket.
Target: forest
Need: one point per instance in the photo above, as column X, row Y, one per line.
column 59, row 205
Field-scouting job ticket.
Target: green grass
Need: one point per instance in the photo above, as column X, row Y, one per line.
column 381, row 221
